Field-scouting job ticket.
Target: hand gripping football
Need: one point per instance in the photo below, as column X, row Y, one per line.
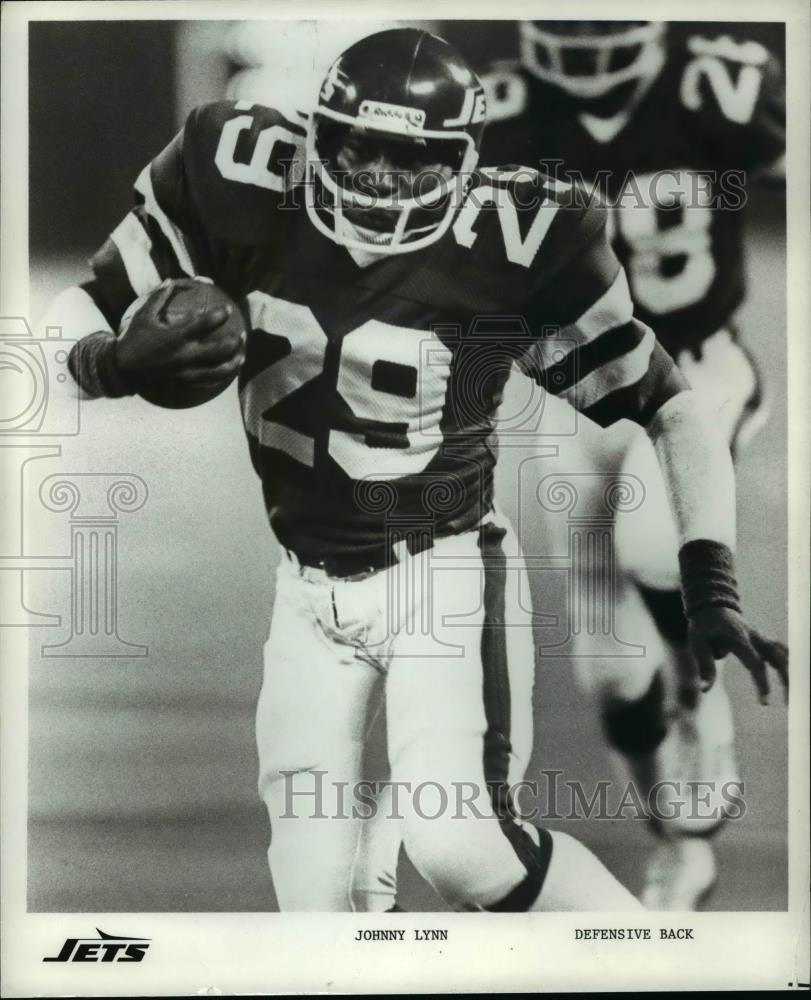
column 181, row 344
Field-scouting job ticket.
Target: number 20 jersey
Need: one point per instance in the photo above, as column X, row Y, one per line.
column 674, row 167
column 369, row 394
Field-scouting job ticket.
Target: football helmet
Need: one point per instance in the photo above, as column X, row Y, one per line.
column 587, row 59
column 409, row 92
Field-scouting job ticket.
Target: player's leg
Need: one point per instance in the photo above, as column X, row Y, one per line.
column 697, row 744
column 459, row 714
column 313, row 714
column 374, row 875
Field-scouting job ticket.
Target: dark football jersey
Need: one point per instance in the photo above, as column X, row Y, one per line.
column 369, row 394
column 673, row 165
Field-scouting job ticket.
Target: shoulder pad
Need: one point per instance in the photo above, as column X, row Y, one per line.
column 744, row 52
column 724, row 76
column 239, row 159
column 528, row 186
column 521, row 216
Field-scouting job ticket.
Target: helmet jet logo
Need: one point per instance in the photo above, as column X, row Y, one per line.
column 474, row 109
column 334, row 78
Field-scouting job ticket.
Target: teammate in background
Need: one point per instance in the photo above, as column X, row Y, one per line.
column 666, row 123
column 385, row 307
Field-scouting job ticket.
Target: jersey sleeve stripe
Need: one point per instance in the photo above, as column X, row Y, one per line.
column 134, row 247
column 609, row 348
column 613, row 309
column 172, row 232
column 641, row 400
column 614, row 374
column 574, row 284
column 113, row 291
column 161, row 251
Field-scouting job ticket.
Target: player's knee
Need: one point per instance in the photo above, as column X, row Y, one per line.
column 667, row 611
column 443, row 856
column 478, row 865
column 636, row 728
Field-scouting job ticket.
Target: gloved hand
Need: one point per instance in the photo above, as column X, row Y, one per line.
column 716, row 631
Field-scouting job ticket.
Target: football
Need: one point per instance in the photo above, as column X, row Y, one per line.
column 187, row 300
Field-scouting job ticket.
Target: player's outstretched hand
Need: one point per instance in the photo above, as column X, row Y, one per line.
column 716, row 631
column 162, row 343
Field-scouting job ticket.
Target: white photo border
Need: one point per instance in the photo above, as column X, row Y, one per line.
column 210, row 954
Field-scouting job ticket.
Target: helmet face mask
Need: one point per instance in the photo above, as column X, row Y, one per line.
column 414, row 203
column 388, row 176
column 588, row 59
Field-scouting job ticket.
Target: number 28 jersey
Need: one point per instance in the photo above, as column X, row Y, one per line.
column 369, row 393
column 673, row 164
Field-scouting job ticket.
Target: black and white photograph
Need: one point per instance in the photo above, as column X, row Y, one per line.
column 405, row 527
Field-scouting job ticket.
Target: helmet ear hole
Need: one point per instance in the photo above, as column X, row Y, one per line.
column 330, row 137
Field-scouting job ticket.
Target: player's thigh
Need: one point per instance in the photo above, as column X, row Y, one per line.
column 317, row 697
column 459, row 692
column 469, row 665
column 459, row 717
column 726, row 381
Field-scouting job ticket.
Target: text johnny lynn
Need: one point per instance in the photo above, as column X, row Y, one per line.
column 416, row 934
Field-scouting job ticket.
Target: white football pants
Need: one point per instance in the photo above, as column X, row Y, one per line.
column 448, row 633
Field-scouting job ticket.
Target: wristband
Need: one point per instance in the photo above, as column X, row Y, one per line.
column 92, row 363
column 707, row 576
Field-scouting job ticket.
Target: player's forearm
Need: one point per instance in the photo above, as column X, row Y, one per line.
column 697, row 468
column 92, row 361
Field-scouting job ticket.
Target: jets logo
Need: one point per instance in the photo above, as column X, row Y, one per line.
column 104, row 948
column 335, row 78
column 474, row 109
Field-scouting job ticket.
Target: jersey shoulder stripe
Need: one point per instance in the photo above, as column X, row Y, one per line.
column 111, row 288
column 611, row 310
column 134, row 247
column 133, row 261
column 639, row 400
column 616, row 359
column 162, row 229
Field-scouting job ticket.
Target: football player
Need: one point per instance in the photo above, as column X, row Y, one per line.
column 666, row 123
column 388, row 289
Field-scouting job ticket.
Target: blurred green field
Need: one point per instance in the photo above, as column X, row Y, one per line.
column 142, row 771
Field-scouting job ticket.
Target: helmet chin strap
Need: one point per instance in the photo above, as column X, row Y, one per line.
column 366, row 234
column 363, row 235
column 364, row 257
